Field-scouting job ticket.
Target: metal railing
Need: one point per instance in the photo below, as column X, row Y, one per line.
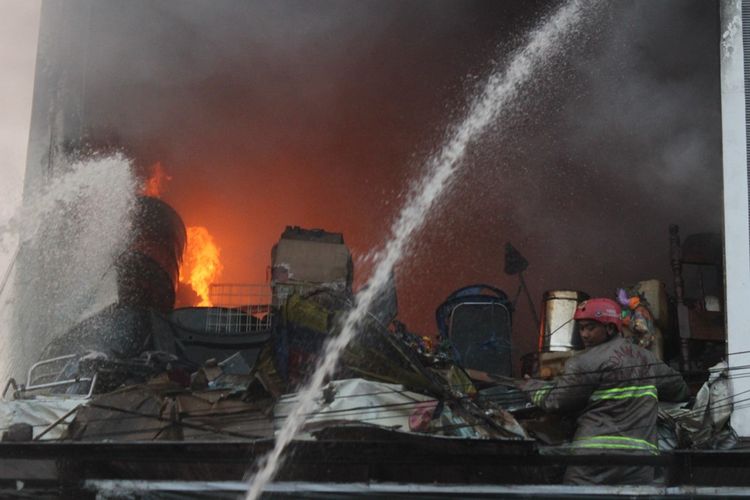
column 239, row 308
column 49, row 379
column 32, row 383
column 248, row 308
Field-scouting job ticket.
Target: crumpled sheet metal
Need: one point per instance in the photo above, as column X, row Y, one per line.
column 706, row 425
column 40, row 413
column 356, row 400
column 714, row 398
column 390, row 406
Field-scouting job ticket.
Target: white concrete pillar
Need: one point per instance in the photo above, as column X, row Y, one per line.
column 736, row 212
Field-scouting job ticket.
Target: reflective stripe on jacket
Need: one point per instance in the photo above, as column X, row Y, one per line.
column 614, row 389
column 615, row 443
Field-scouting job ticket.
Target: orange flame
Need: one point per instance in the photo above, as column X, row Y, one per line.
column 200, row 264
column 155, row 183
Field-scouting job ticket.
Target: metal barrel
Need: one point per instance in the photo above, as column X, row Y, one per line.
column 147, row 272
column 558, row 330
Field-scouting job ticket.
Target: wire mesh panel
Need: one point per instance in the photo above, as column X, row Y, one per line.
column 239, row 308
column 480, row 332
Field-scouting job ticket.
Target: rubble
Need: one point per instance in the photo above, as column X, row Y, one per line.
column 188, row 380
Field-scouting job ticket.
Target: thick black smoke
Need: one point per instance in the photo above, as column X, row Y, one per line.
column 320, row 113
column 612, row 145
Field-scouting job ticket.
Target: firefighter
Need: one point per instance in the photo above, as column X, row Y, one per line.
column 612, row 387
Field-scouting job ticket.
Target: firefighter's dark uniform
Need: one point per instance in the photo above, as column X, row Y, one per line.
column 614, row 387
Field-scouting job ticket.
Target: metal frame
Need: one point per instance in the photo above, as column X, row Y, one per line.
column 239, row 308
column 28, row 387
column 508, row 346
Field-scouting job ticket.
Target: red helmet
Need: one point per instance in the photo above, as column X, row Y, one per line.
column 602, row 310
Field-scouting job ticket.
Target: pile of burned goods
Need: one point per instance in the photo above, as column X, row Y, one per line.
column 388, row 379
column 230, row 373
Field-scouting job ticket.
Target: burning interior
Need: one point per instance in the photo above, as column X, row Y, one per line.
column 249, row 125
column 244, row 136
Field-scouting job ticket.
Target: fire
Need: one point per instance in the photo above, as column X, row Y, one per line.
column 200, row 264
column 155, row 183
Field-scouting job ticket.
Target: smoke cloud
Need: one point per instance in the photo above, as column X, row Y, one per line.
column 319, row 114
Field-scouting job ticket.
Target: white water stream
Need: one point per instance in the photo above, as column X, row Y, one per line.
column 70, row 231
column 499, row 93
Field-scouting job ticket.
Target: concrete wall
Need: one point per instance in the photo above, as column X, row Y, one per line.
column 737, row 237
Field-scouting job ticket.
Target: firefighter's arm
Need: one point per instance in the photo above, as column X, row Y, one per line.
column 669, row 383
column 568, row 392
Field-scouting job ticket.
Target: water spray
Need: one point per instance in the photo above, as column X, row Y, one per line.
column 498, row 94
column 68, row 233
